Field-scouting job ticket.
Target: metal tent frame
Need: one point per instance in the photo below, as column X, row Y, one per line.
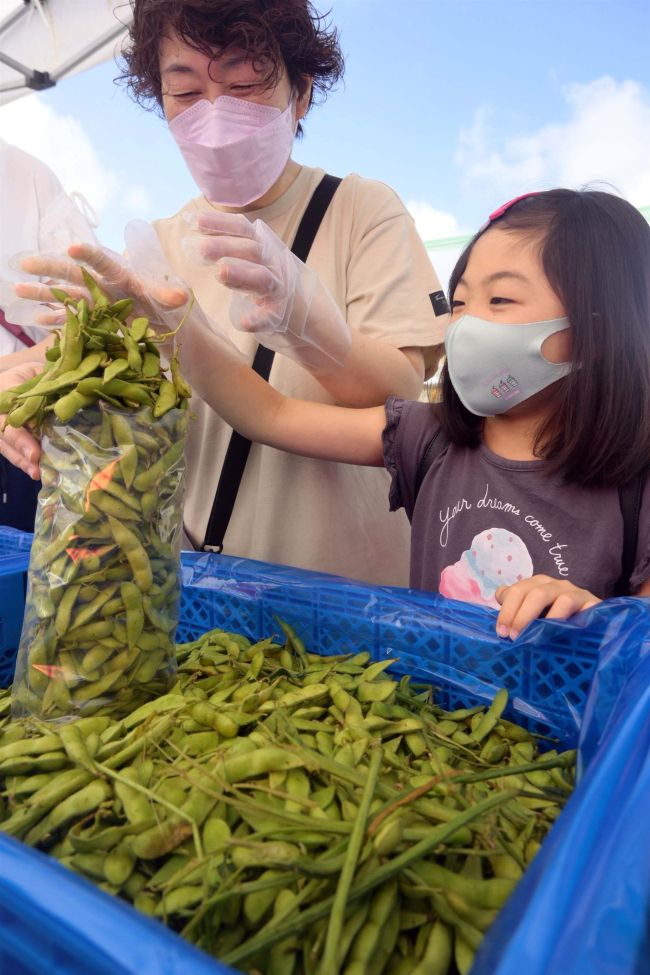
column 53, row 31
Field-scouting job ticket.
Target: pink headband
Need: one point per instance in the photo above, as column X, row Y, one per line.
column 505, row 207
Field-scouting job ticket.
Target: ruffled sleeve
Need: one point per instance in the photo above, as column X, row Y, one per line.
column 409, row 429
column 394, row 409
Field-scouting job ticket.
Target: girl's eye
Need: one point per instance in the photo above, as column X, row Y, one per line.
column 243, row 87
column 456, row 303
column 500, row 301
column 185, row 94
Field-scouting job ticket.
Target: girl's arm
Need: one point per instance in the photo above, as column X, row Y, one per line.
column 373, row 371
column 259, row 412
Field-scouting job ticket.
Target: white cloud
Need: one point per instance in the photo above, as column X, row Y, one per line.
column 605, row 139
column 138, row 200
column 431, row 223
column 60, row 141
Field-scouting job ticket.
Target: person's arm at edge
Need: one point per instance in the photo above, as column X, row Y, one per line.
column 31, row 353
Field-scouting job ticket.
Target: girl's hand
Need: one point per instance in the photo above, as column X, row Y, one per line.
column 18, row 445
column 524, row 601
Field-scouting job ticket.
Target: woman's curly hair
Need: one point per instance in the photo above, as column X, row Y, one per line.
column 277, row 34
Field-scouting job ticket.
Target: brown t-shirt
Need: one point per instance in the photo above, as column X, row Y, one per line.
column 480, row 521
column 296, row 510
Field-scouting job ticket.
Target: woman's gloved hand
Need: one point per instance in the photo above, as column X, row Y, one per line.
column 156, row 292
column 273, row 294
column 67, row 219
column 159, row 295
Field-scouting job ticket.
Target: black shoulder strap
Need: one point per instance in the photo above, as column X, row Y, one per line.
column 239, row 447
column 629, row 497
column 438, row 443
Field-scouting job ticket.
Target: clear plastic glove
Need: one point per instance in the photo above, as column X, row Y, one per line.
column 158, row 293
column 273, row 294
column 68, row 219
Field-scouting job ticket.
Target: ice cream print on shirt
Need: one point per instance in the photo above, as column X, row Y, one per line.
column 515, row 545
column 495, row 558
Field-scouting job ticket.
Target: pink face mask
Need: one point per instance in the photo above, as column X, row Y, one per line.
column 234, row 149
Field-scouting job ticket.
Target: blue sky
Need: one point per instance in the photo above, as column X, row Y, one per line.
column 457, row 105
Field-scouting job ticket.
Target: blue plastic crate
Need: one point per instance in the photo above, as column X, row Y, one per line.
column 14, row 558
column 448, row 643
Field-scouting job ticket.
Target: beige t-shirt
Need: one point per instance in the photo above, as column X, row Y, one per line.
column 293, row 510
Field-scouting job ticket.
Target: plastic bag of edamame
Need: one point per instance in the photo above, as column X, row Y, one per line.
column 103, row 582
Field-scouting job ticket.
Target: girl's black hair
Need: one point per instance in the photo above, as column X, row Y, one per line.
column 595, row 252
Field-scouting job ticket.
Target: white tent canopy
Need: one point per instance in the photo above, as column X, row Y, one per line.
column 43, row 41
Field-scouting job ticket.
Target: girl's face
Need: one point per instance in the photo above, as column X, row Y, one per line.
column 504, row 282
column 187, row 76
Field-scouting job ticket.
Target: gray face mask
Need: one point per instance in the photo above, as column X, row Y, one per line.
column 494, row 367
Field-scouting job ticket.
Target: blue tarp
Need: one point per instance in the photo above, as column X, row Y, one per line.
column 583, row 907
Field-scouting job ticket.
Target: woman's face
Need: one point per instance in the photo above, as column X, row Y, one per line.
column 187, row 76
column 504, row 282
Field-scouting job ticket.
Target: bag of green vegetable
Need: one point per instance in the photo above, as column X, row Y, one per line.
column 103, row 580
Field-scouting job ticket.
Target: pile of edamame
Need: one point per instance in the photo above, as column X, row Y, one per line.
column 103, row 578
column 293, row 814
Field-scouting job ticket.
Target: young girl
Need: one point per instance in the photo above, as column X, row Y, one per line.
column 545, row 415
column 516, row 483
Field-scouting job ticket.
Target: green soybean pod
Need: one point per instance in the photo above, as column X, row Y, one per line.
column 25, row 411
column 149, row 502
column 75, row 806
column 463, row 955
column 64, row 611
column 436, row 959
column 66, row 407
column 150, row 364
column 134, row 552
column 110, row 505
column 148, row 479
column 114, row 369
column 167, row 399
column 132, row 599
column 89, row 631
column 75, row 747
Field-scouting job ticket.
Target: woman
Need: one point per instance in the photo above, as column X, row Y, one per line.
column 234, row 80
column 367, row 255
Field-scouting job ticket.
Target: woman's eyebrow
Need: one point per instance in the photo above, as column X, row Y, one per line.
column 177, row 68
